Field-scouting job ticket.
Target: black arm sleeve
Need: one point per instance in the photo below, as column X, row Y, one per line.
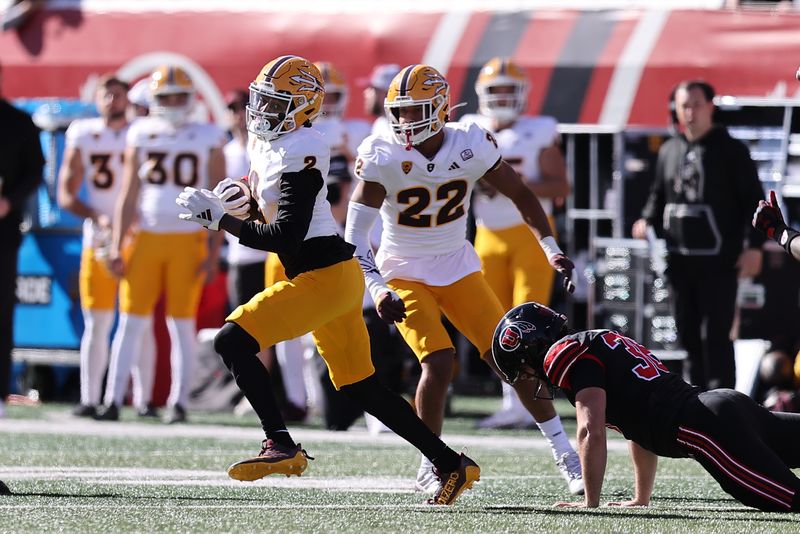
column 295, row 208
column 586, row 373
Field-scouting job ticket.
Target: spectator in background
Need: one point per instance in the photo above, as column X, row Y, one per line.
column 93, row 148
column 703, row 193
column 512, row 261
column 139, row 99
column 21, row 164
column 93, row 160
column 165, row 152
column 375, row 93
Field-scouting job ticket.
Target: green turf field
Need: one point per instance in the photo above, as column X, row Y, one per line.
column 72, row 475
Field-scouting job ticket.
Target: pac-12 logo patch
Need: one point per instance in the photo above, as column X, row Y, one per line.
column 406, row 166
column 466, row 154
column 511, row 336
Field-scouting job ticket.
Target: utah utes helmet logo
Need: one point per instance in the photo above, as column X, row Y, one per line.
column 511, row 336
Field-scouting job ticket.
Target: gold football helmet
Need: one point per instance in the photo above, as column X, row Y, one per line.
column 171, row 80
column 419, row 86
column 502, row 89
column 286, row 94
column 335, row 90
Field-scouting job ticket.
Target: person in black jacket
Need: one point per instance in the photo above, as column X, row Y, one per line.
column 614, row 382
column 700, row 202
column 21, row 163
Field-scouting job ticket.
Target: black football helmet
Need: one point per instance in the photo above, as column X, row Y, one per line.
column 523, row 337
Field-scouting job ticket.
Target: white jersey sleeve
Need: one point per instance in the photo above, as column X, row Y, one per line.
column 302, row 149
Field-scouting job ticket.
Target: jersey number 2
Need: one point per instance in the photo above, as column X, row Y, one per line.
column 650, row 368
column 419, row 198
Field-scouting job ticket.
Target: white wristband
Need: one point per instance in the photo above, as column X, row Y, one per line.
column 550, row 247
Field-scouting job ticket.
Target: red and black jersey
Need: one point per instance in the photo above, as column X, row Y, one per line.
column 643, row 399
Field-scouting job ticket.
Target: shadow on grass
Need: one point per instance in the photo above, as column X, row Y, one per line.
column 654, row 513
column 126, row 497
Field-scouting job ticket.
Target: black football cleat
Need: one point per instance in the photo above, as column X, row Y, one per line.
column 148, row 410
column 274, row 459
column 108, row 413
column 175, row 414
column 453, row 484
column 84, row 410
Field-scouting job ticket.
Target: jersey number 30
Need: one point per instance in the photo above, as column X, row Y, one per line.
column 650, row 368
column 419, row 198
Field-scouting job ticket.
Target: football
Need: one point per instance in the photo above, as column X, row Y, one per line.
column 243, row 190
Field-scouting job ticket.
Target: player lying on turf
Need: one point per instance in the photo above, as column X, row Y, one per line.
column 615, row 382
column 289, row 162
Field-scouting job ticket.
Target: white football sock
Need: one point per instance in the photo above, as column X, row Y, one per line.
column 555, row 435
column 124, row 353
column 290, row 358
column 94, row 353
column 145, row 369
column 183, row 337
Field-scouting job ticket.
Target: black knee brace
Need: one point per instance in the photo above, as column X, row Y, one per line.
column 233, row 341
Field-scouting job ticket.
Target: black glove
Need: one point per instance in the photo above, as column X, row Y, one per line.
column 768, row 217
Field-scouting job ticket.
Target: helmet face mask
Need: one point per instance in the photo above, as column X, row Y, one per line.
column 502, row 89
column 417, row 104
column 166, row 82
column 287, row 94
column 522, row 339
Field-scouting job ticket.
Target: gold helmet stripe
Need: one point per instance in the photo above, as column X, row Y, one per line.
column 503, row 66
column 404, row 82
column 278, row 62
column 170, row 75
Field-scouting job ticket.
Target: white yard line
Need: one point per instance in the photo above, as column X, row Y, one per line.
column 67, row 425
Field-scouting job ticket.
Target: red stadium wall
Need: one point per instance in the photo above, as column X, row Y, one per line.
column 572, row 56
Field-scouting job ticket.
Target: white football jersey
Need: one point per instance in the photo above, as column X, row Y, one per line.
column 304, row 148
column 101, row 151
column 424, row 214
column 357, row 131
column 333, row 133
column 520, row 146
column 237, row 164
column 170, row 159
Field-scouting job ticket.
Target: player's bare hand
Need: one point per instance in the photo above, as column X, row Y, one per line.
column 570, row 505
column 639, row 229
column 208, row 269
column 391, row 308
column 627, row 504
column 116, row 266
column 564, row 265
column 103, row 222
